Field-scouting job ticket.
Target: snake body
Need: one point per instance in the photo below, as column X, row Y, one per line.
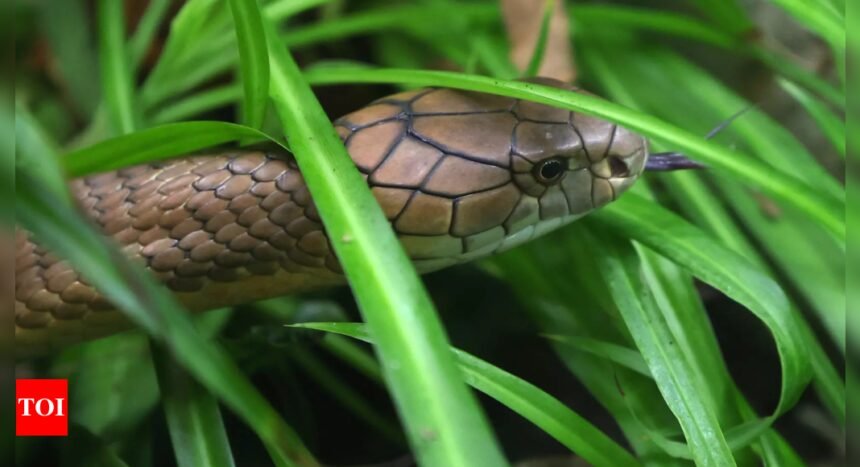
column 460, row 176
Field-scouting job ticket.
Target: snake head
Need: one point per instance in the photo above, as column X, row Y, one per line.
column 462, row 175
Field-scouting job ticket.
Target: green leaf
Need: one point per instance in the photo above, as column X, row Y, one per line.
column 820, row 17
column 157, row 143
column 443, row 421
column 540, row 44
column 619, row 354
column 668, row 85
column 545, row 411
column 832, row 126
column 253, row 60
column 348, row 397
column 197, row 104
column 619, row 266
column 593, row 20
column 146, row 29
column 69, row 32
column 193, row 416
column 114, row 384
column 117, row 81
column 689, row 247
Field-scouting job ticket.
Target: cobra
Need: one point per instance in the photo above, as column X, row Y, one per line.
column 460, row 175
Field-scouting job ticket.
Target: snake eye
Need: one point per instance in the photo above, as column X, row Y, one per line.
column 550, row 170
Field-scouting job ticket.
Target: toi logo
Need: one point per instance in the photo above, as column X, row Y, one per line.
column 41, row 407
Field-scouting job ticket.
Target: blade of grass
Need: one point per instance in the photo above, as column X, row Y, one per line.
column 198, row 103
column 820, row 18
column 146, row 29
column 674, row 238
column 115, row 386
column 117, row 82
column 279, row 10
column 619, row 354
column 193, row 416
column 832, row 126
column 350, row 398
column 253, row 60
column 531, row 402
column 444, row 424
column 729, row 14
column 540, row 45
column 823, row 208
column 571, row 302
column 157, row 143
column 589, row 19
column 618, row 264
column 785, row 238
column 356, row 357
column 68, row 30
column 593, row 19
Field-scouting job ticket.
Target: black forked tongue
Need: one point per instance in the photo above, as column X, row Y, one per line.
column 666, row 161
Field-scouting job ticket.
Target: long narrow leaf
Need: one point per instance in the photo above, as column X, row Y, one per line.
column 671, row 236
column 193, row 417
column 444, row 424
column 253, row 60
column 545, row 411
column 115, row 68
column 620, row 269
column 158, row 143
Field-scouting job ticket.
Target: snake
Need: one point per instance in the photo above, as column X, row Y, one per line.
column 460, row 175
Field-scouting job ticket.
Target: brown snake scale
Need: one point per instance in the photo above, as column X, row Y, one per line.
column 460, row 175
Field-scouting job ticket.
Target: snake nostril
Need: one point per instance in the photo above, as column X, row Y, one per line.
column 617, row 167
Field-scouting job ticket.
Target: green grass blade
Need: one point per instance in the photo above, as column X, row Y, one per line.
column 820, row 18
column 729, row 14
column 678, row 90
column 619, row 354
column 557, row 307
column 117, row 81
column 157, row 143
column 593, row 18
column 197, row 104
column 30, row 138
column 408, row 18
column 253, row 60
column 563, row 424
column 348, row 397
column 279, row 10
column 832, row 126
column 540, row 46
column 146, row 29
column 619, row 266
column 444, row 424
column 823, row 208
column 350, row 353
column 674, row 238
column 193, row 417
column 69, row 32
column 115, row 386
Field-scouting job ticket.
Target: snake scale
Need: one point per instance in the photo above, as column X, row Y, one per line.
column 460, row 175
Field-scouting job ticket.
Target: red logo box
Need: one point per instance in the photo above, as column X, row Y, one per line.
column 41, row 407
